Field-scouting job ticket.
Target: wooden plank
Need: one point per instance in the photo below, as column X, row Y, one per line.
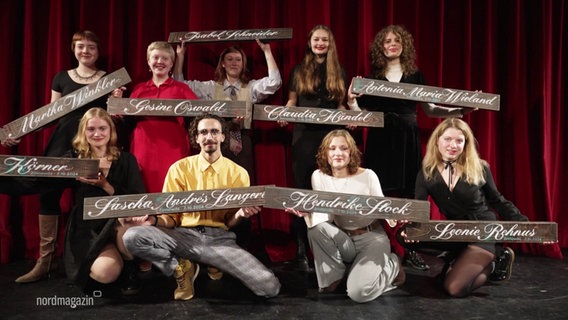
column 171, row 202
column 347, row 204
column 42, row 116
column 177, row 107
column 230, row 35
column 422, row 93
column 51, row 167
column 483, row 231
column 318, row 115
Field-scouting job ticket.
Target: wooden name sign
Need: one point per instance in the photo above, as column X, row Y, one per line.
column 27, row 166
column 171, row 202
column 64, row 105
column 175, row 107
column 230, row 35
column 347, row 204
column 483, row 231
column 318, row 115
column 422, row 93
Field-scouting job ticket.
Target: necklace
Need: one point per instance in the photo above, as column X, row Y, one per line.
column 339, row 184
column 76, row 74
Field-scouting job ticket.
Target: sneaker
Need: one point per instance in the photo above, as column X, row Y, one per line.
column 130, row 284
column 414, row 260
column 503, row 265
column 331, row 288
column 214, row 273
column 185, row 274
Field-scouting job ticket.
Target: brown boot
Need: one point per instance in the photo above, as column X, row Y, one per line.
column 47, row 244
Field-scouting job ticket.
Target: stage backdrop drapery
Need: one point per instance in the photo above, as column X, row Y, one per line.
column 512, row 48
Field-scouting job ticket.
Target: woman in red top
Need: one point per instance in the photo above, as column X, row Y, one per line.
column 157, row 142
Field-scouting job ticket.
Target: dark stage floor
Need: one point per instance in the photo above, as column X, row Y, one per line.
column 538, row 289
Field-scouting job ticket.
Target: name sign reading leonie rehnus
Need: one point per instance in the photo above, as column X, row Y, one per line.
column 230, row 35
column 347, row 204
column 318, row 115
column 171, row 202
column 64, row 105
column 422, row 93
column 50, row 167
column 176, row 107
column 483, row 231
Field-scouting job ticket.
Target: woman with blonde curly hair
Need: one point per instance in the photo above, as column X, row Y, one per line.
column 352, row 247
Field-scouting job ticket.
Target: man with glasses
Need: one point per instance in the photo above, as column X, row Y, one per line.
column 176, row 243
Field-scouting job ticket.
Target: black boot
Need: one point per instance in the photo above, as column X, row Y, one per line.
column 414, row 260
column 131, row 284
column 503, row 265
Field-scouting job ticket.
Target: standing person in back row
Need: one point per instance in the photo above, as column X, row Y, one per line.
column 318, row 81
column 394, row 151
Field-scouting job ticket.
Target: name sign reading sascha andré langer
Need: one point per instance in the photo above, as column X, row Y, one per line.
column 171, row 202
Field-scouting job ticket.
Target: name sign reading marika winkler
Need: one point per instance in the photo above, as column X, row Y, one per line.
column 483, row 231
column 175, row 107
column 347, row 204
column 171, row 202
column 64, row 105
column 27, row 166
column 422, row 93
column 318, row 115
column 230, row 35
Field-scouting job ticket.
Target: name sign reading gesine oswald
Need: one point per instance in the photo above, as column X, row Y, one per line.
column 64, row 105
column 483, row 231
column 176, row 107
column 347, row 204
column 50, row 167
column 318, row 115
column 422, row 93
column 230, row 35
column 171, row 202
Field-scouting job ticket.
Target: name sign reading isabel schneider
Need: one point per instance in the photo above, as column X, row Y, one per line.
column 483, row 231
column 230, row 35
column 347, row 204
column 171, row 202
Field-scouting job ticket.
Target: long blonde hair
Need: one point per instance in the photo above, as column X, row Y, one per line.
column 354, row 153
column 469, row 161
column 306, row 78
column 82, row 146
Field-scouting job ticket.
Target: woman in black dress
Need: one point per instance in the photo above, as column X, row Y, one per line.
column 93, row 248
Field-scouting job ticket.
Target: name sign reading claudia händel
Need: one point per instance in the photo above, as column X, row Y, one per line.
column 422, row 93
column 51, row 167
column 171, row 202
column 483, row 231
column 230, row 35
column 347, row 204
column 64, row 105
column 176, row 107
column 318, row 115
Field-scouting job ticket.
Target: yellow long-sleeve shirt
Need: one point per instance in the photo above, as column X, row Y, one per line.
column 196, row 173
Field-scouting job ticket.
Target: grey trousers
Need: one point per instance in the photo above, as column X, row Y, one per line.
column 211, row 246
column 372, row 265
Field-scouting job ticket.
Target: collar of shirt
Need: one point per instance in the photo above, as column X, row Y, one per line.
column 203, row 164
column 168, row 82
column 227, row 86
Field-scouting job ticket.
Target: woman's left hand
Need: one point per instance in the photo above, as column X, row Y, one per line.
column 100, row 181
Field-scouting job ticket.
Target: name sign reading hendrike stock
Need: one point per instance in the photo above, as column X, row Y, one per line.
column 64, row 105
column 171, row 202
column 230, row 35
column 422, row 93
column 50, row 167
column 346, row 204
column 318, row 115
column 175, row 107
column 483, row 231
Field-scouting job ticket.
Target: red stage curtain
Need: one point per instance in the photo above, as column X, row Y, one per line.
column 513, row 48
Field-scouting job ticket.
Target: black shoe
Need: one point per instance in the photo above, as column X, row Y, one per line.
column 503, row 266
column 415, row 261
column 131, row 283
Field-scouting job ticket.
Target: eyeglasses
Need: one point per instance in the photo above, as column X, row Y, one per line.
column 205, row 132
